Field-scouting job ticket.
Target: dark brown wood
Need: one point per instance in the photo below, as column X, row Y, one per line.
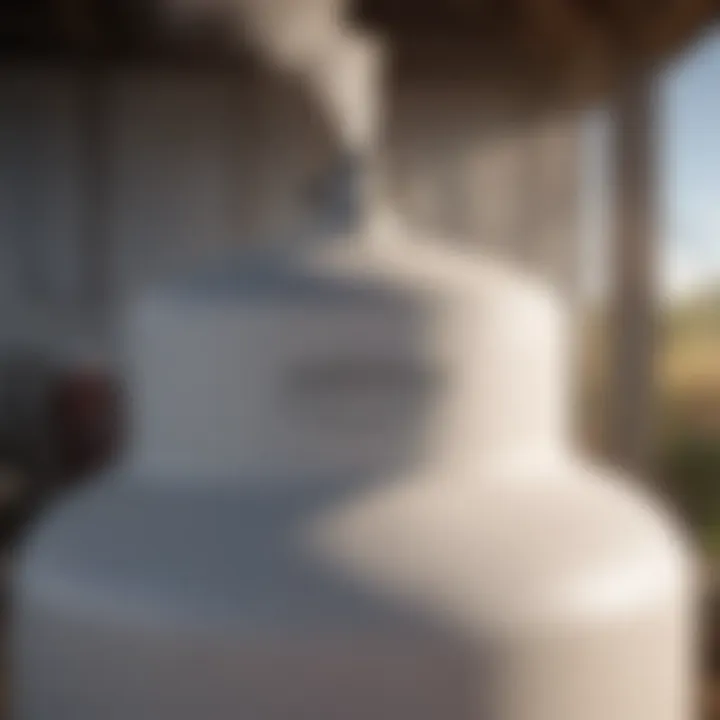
column 564, row 51
column 560, row 50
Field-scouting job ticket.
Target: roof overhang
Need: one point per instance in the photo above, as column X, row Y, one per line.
column 554, row 49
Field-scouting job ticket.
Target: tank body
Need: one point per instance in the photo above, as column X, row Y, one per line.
column 352, row 494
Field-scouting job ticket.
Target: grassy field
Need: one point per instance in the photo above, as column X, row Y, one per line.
column 689, row 366
column 688, row 375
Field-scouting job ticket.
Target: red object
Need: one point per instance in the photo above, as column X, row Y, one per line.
column 87, row 423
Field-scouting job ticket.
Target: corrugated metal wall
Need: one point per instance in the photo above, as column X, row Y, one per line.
column 471, row 167
column 109, row 180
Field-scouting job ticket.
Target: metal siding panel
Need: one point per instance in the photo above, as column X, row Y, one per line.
column 180, row 163
column 41, row 202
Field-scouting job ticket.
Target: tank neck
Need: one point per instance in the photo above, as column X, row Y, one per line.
column 346, row 198
column 345, row 78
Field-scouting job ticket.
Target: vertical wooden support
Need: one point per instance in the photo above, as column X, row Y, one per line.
column 632, row 405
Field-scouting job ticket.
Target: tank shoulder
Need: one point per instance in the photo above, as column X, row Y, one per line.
column 217, row 559
column 503, row 555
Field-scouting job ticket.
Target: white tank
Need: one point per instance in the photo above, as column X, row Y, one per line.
column 352, row 494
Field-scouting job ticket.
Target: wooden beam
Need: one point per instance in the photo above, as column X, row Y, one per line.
column 633, row 323
column 76, row 20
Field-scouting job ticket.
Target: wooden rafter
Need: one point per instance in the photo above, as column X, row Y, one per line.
column 76, row 20
column 572, row 49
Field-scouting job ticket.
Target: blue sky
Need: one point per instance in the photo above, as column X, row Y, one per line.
column 690, row 168
column 688, row 173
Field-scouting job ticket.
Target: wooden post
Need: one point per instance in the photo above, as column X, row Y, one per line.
column 632, row 408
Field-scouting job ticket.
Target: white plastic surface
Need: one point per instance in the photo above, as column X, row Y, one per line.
column 303, row 533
